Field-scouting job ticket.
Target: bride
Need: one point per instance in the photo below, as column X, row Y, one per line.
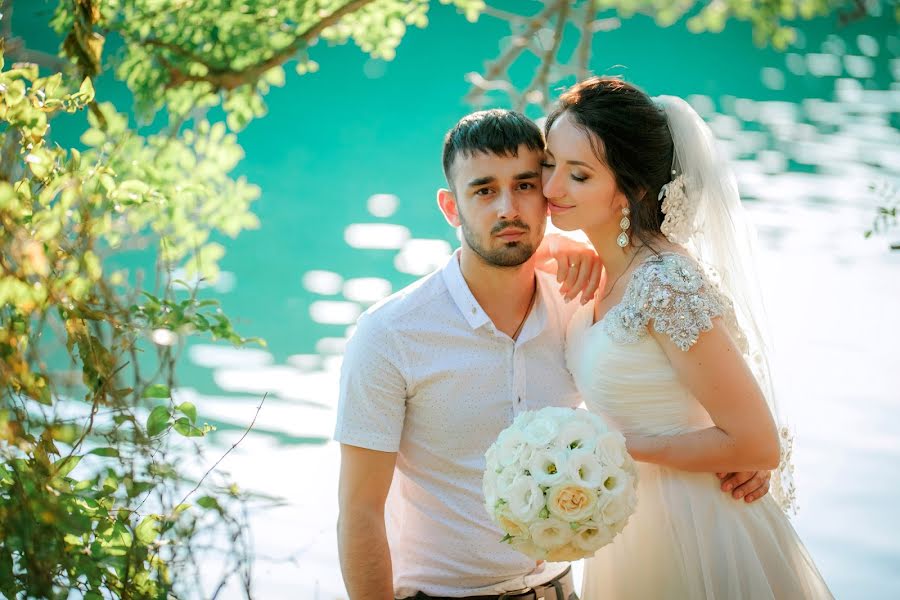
column 672, row 351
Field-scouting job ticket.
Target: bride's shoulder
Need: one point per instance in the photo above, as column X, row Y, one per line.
column 677, row 296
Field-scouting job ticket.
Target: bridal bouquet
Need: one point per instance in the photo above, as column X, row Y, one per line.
column 559, row 482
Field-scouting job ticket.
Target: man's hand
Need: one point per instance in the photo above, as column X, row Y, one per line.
column 749, row 485
column 578, row 268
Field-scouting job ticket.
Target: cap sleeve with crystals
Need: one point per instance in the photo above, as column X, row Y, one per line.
column 671, row 293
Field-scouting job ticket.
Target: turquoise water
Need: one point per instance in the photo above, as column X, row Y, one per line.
column 809, row 130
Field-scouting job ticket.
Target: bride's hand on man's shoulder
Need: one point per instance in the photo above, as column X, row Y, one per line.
column 747, row 485
column 577, row 267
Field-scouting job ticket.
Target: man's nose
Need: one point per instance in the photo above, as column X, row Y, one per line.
column 507, row 206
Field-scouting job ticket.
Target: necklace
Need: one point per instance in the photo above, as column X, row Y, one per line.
column 625, row 270
column 527, row 311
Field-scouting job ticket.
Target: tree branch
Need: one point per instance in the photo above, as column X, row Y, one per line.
column 228, row 79
column 539, row 83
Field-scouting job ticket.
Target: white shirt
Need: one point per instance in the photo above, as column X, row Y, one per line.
column 427, row 375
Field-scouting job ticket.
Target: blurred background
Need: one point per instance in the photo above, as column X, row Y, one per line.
column 347, row 159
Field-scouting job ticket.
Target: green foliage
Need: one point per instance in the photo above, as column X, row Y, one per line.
column 769, row 18
column 87, row 503
column 186, row 56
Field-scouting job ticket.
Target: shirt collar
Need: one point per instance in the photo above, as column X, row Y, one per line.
column 475, row 315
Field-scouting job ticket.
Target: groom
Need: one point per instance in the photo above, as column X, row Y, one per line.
column 435, row 372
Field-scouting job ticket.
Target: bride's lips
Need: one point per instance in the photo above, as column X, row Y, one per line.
column 558, row 209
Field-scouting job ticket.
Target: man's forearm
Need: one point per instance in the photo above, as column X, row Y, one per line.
column 365, row 556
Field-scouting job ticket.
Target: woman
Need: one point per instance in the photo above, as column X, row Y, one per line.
column 671, row 351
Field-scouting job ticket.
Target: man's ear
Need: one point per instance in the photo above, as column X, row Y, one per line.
column 447, row 202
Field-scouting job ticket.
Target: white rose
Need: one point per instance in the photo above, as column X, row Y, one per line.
column 511, row 525
column 541, row 431
column 550, row 533
column 585, row 469
column 591, row 537
column 566, row 553
column 577, row 433
column 510, row 445
column 489, row 490
column 611, row 449
column 525, row 499
column 571, row 502
column 506, row 477
column 529, row 548
column 548, row 467
column 523, row 419
column 617, row 508
column 556, row 413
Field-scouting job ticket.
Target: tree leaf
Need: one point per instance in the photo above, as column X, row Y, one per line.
column 109, row 452
column 189, row 410
column 64, row 466
column 158, row 420
column 148, row 529
column 157, row 390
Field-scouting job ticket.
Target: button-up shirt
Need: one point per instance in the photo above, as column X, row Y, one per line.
column 427, row 375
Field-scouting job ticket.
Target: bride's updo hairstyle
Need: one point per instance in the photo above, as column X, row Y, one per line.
column 629, row 134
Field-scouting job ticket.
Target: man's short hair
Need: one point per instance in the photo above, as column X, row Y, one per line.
column 494, row 131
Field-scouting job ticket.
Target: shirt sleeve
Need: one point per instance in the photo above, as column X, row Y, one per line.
column 372, row 400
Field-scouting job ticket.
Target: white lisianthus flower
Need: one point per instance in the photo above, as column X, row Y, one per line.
column 551, row 533
column 585, row 469
column 610, row 449
column 577, row 433
column 615, row 480
column 510, row 445
column 525, row 498
column 548, row 467
column 591, row 537
column 541, row 431
column 571, row 502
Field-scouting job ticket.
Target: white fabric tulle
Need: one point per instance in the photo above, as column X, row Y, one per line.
column 687, row 539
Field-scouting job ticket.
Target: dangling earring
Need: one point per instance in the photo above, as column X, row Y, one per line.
column 625, row 223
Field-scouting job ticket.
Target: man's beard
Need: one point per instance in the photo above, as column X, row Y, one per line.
column 511, row 254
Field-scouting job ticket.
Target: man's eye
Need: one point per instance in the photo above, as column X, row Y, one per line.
column 526, row 186
column 483, row 191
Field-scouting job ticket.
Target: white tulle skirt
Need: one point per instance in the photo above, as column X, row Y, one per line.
column 689, row 540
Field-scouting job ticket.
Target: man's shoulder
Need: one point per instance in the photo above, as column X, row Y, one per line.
column 406, row 304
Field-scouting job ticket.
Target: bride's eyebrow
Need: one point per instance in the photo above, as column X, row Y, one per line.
column 579, row 164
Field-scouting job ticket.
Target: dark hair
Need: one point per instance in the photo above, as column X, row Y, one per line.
column 629, row 134
column 495, row 131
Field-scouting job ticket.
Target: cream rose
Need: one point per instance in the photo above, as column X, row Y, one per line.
column 567, row 553
column 571, row 502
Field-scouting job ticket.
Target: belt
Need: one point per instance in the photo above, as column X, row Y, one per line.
column 552, row 590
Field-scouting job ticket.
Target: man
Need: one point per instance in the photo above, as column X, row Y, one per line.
column 435, row 372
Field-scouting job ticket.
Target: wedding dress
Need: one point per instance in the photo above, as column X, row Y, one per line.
column 687, row 539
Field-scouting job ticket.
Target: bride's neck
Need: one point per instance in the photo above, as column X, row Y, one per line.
column 616, row 260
